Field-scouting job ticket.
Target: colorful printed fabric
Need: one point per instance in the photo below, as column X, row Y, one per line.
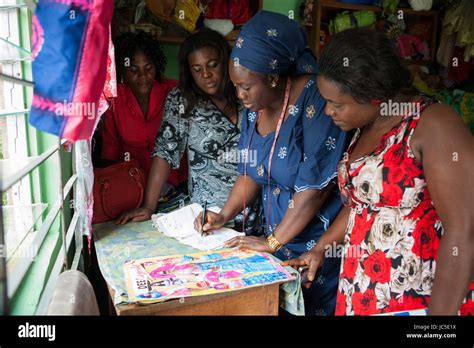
column 463, row 102
column 271, row 43
column 70, row 46
column 167, row 277
column 393, row 234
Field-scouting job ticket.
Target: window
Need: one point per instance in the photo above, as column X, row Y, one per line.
column 34, row 236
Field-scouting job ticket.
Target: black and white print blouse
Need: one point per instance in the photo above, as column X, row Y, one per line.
column 210, row 140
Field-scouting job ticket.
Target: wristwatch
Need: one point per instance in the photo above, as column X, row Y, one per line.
column 273, row 243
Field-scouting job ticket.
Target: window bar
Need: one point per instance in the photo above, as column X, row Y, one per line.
column 48, row 290
column 24, row 264
column 3, row 269
column 15, row 80
column 8, row 182
column 61, row 209
column 76, row 233
column 71, row 231
column 14, row 112
column 31, row 5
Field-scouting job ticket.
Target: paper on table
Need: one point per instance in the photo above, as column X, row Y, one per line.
column 213, row 241
column 179, row 224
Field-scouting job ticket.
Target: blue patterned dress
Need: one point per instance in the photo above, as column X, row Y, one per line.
column 307, row 151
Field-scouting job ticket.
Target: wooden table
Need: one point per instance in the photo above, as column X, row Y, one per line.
column 261, row 300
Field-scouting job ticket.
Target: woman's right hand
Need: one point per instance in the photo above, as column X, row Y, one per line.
column 213, row 222
column 136, row 215
column 308, row 264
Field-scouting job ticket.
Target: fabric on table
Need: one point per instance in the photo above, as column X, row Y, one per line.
column 116, row 244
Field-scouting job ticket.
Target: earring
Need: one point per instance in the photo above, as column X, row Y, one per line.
column 274, row 84
column 121, row 80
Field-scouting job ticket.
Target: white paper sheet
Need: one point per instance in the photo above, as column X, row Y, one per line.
column 179, row 224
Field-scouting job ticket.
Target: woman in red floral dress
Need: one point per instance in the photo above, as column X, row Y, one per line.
column 408, row 156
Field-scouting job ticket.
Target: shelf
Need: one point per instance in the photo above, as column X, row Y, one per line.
column 417, row 62
column 326, row 10
column 178, row 40
column 355, row 7
column 170, row 39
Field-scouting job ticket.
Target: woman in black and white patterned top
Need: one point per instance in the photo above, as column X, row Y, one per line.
column 202, row 118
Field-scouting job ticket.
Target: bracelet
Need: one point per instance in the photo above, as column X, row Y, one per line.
column 273, row 243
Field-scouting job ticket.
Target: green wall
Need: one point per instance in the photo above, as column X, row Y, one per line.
column 280, row 6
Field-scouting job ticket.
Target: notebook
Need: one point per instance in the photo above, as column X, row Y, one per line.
column 413, row 312
column 179, row 224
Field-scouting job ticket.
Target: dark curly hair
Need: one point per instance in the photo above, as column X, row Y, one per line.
column 127, row 44
column 190, row 91
column 365, row 64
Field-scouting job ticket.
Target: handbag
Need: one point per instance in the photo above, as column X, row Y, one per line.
column 117, row 188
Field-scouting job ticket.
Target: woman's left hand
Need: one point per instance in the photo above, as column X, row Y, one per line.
column 252, row 243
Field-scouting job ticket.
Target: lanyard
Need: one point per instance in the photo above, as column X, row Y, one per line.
column 272, row 150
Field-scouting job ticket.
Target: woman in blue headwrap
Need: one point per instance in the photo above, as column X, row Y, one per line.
column 294, row 146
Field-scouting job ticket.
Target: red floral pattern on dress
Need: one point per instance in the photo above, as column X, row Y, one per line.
column 352, row 263
column 394, row 227
column 364, row 303
column 426, row 241
column 364, row 223
column 341, row 302
column 467, row 308
column 377, row 266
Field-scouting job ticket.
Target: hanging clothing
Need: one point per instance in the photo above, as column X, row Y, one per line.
column 127, row 133
column 307, row 151
column 210, row 141
column 67, row 37
column 457, row 31
column 393, row 233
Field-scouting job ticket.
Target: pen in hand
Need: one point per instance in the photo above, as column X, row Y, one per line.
column 203, row 221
